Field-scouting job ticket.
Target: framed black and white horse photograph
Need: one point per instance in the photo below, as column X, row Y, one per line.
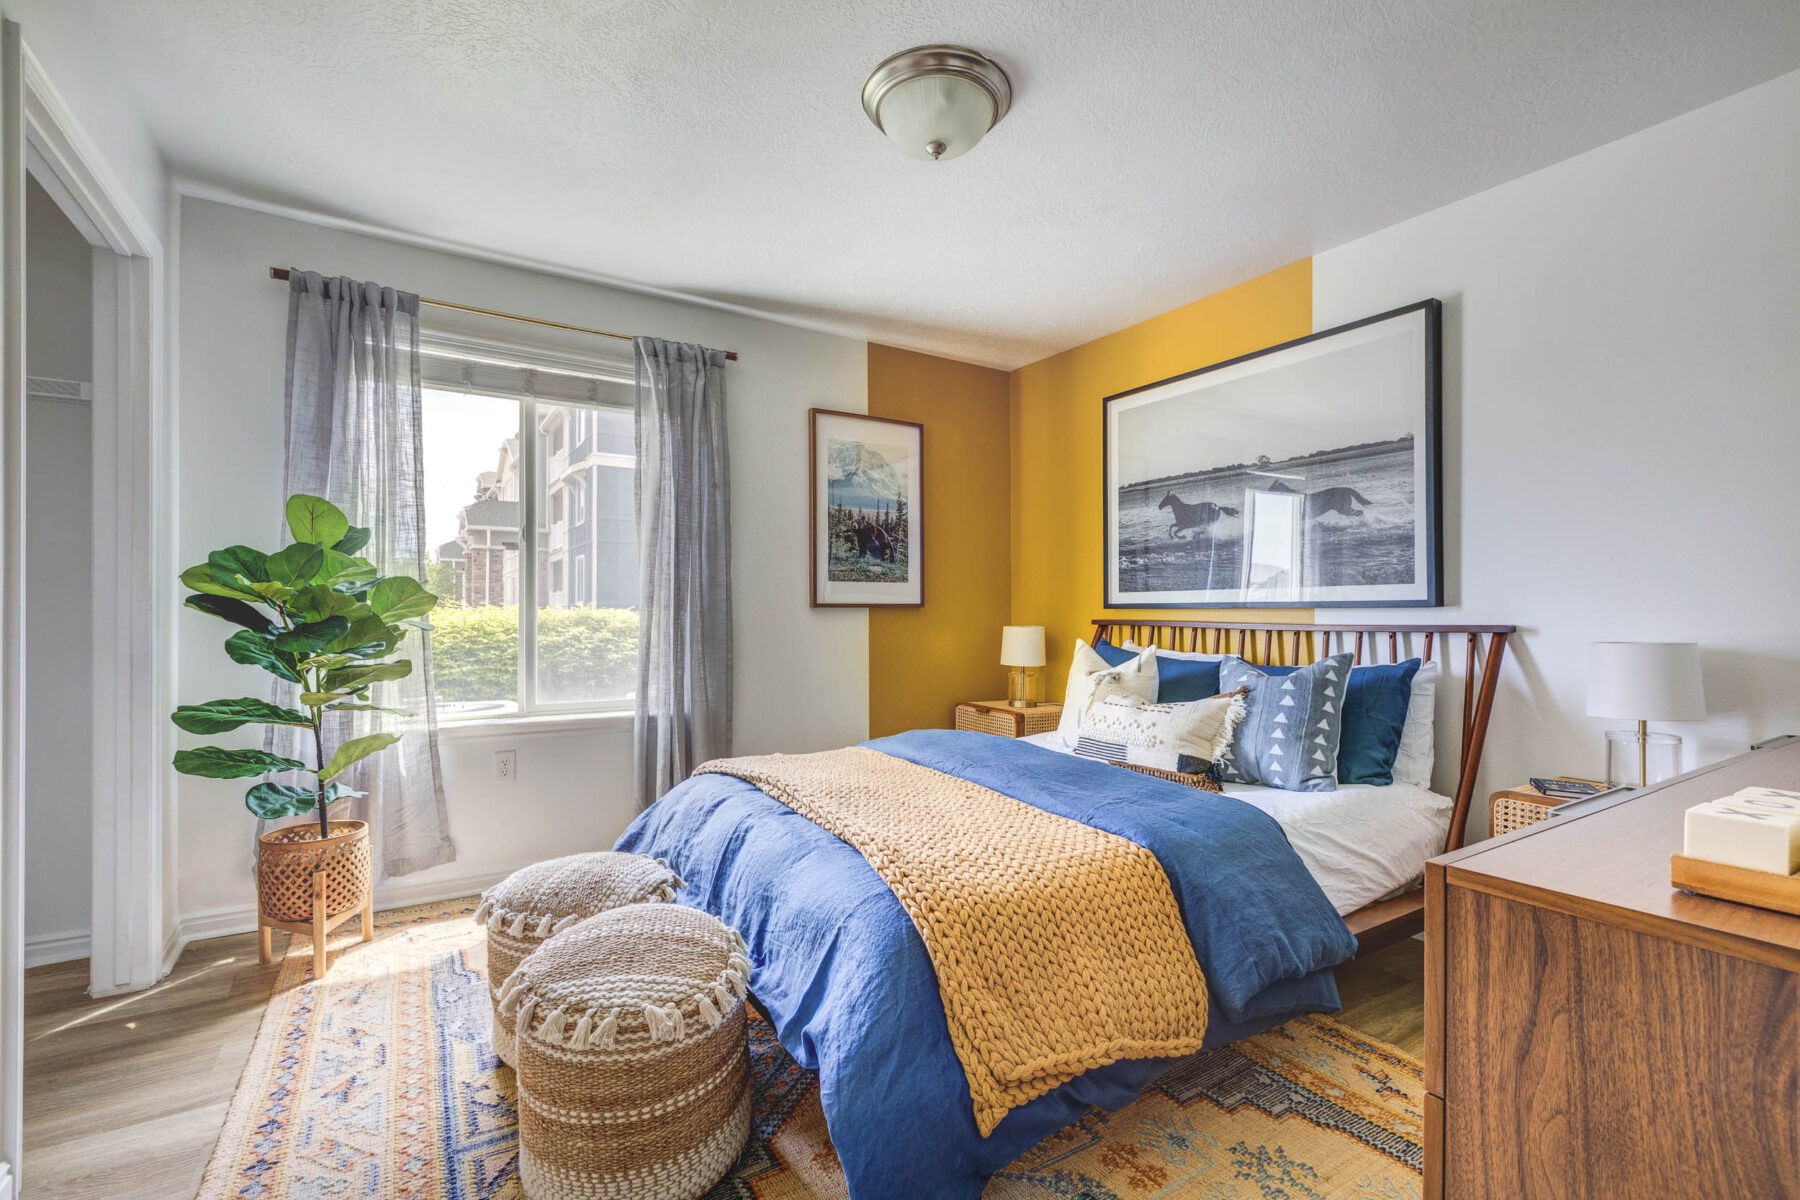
column 867, row 481
column 1305, row 475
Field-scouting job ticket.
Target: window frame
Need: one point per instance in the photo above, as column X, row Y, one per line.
column 532, row 480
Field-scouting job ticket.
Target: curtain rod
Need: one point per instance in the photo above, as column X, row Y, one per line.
column 282, row 273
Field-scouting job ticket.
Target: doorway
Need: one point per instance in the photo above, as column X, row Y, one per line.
column 59, row 539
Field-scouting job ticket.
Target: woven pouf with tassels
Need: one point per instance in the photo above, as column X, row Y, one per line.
column 530, row 905
column 633, row 1068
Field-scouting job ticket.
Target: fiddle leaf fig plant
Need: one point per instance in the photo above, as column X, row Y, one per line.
column 316, row 616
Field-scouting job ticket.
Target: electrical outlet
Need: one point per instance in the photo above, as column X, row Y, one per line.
column 506, row 765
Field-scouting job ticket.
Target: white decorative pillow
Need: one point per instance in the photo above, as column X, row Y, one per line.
column 1417, row 756
column 1186, row 738
column 1088, row 671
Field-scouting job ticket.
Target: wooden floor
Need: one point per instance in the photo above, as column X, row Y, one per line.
column 125, row 1096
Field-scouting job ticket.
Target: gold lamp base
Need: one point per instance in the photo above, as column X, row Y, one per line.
column 1021, row 688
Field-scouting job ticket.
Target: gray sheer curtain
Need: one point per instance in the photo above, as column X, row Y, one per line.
column 354, row 436
column 684, row 564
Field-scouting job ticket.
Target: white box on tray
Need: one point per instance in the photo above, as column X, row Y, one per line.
column 1756, row 828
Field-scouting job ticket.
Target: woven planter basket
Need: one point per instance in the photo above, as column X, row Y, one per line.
column 531, row 904
column 287, row 858
column 633, row 1071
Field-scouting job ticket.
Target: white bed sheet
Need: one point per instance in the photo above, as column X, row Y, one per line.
column 1360, row 842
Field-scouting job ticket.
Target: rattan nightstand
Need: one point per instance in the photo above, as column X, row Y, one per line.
column 999, row 717
column 1515, row 808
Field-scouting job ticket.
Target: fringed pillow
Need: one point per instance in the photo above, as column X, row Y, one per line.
column 1184, row 739
column 545, row 898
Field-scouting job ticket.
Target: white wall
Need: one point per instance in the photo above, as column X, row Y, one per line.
column 1622, row 418
column 802, row 674
column 58, row 589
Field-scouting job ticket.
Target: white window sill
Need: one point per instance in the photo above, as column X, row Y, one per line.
column 512, row 724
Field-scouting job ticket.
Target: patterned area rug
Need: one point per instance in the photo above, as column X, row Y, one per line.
column 379, row 1082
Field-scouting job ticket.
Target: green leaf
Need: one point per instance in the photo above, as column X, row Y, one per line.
column 346, row 706
column 258, row 650
column 354, row 540
column 251, row 564
column 311, row 637
column 340, row 569
column 354, row 751
column 218, row 716
column 364, row 632
column 345, row 678
column 216, row 762
column 297, row 565
column 231, row 609
column 316, row 520
column 272, row 801
column 269, row 590
column 317, row 602
column 399, row 597
column 205, row 578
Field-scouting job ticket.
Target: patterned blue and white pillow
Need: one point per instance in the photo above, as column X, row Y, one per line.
column 1289, row 737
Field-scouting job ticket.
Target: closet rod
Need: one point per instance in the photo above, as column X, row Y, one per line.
column 282, row 273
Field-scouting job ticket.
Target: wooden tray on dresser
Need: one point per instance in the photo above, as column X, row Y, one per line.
column 1761, row 889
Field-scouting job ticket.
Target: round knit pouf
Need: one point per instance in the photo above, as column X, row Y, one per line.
column 531, row 904
column 634, row 1071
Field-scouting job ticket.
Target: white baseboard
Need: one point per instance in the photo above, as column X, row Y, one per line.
column 42, row 949
column 241, row 918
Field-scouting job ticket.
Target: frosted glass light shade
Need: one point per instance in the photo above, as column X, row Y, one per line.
column 937, row 110
column 936, row 102
column 1645, row 681
column 1022, row 645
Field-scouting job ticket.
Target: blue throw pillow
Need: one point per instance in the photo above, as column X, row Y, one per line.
column 1289, row 737
column 1374, row 716
column 1178, row 680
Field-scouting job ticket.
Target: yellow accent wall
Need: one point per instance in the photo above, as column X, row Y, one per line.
column 1057, row 551
column 922, row 661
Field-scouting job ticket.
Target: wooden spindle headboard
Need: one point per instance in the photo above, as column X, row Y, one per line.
column 1298, row 645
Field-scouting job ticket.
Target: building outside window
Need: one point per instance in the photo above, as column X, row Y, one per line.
column 500, row 426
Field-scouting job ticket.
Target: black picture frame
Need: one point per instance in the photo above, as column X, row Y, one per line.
column 1428, row 549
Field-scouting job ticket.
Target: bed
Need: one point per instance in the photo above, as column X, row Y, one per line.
column 846, row 981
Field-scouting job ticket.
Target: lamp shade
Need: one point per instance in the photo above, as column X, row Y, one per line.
column 935, row 102
column 947, row 112
column 1645, row 681
column 1022, row 646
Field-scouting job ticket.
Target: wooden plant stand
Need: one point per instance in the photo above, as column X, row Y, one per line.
column 319, row 927
column 308, row 885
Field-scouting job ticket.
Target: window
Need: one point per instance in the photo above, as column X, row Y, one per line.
column 561, row 636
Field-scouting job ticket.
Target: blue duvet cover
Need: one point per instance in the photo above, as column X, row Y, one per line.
column 847, row 981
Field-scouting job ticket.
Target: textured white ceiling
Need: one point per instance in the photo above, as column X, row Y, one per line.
column 1156, row 151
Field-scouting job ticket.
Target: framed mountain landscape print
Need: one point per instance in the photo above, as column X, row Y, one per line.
column 867, row 481
column 1305, row 475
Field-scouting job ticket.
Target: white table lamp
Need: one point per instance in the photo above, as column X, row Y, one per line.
column 1021, row 648
column 1645, row 681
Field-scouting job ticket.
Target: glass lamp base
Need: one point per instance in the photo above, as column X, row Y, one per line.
column 1660, row 753
column 1022, row 688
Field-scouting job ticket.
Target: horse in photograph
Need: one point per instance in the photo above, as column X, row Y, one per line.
column 1184, row 516
column 1325, row 501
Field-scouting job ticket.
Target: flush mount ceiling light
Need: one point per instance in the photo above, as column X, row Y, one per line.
column 936, row 102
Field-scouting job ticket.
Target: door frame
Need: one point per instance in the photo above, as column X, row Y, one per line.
column 132, row 620
column 133, row 549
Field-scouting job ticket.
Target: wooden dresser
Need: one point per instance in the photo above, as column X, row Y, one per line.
column 1590, row 1031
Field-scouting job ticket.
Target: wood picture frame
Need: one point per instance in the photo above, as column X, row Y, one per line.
column 1306, row 475
column 865, row 493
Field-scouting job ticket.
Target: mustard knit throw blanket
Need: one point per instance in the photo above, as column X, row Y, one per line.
column 1058, row 947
